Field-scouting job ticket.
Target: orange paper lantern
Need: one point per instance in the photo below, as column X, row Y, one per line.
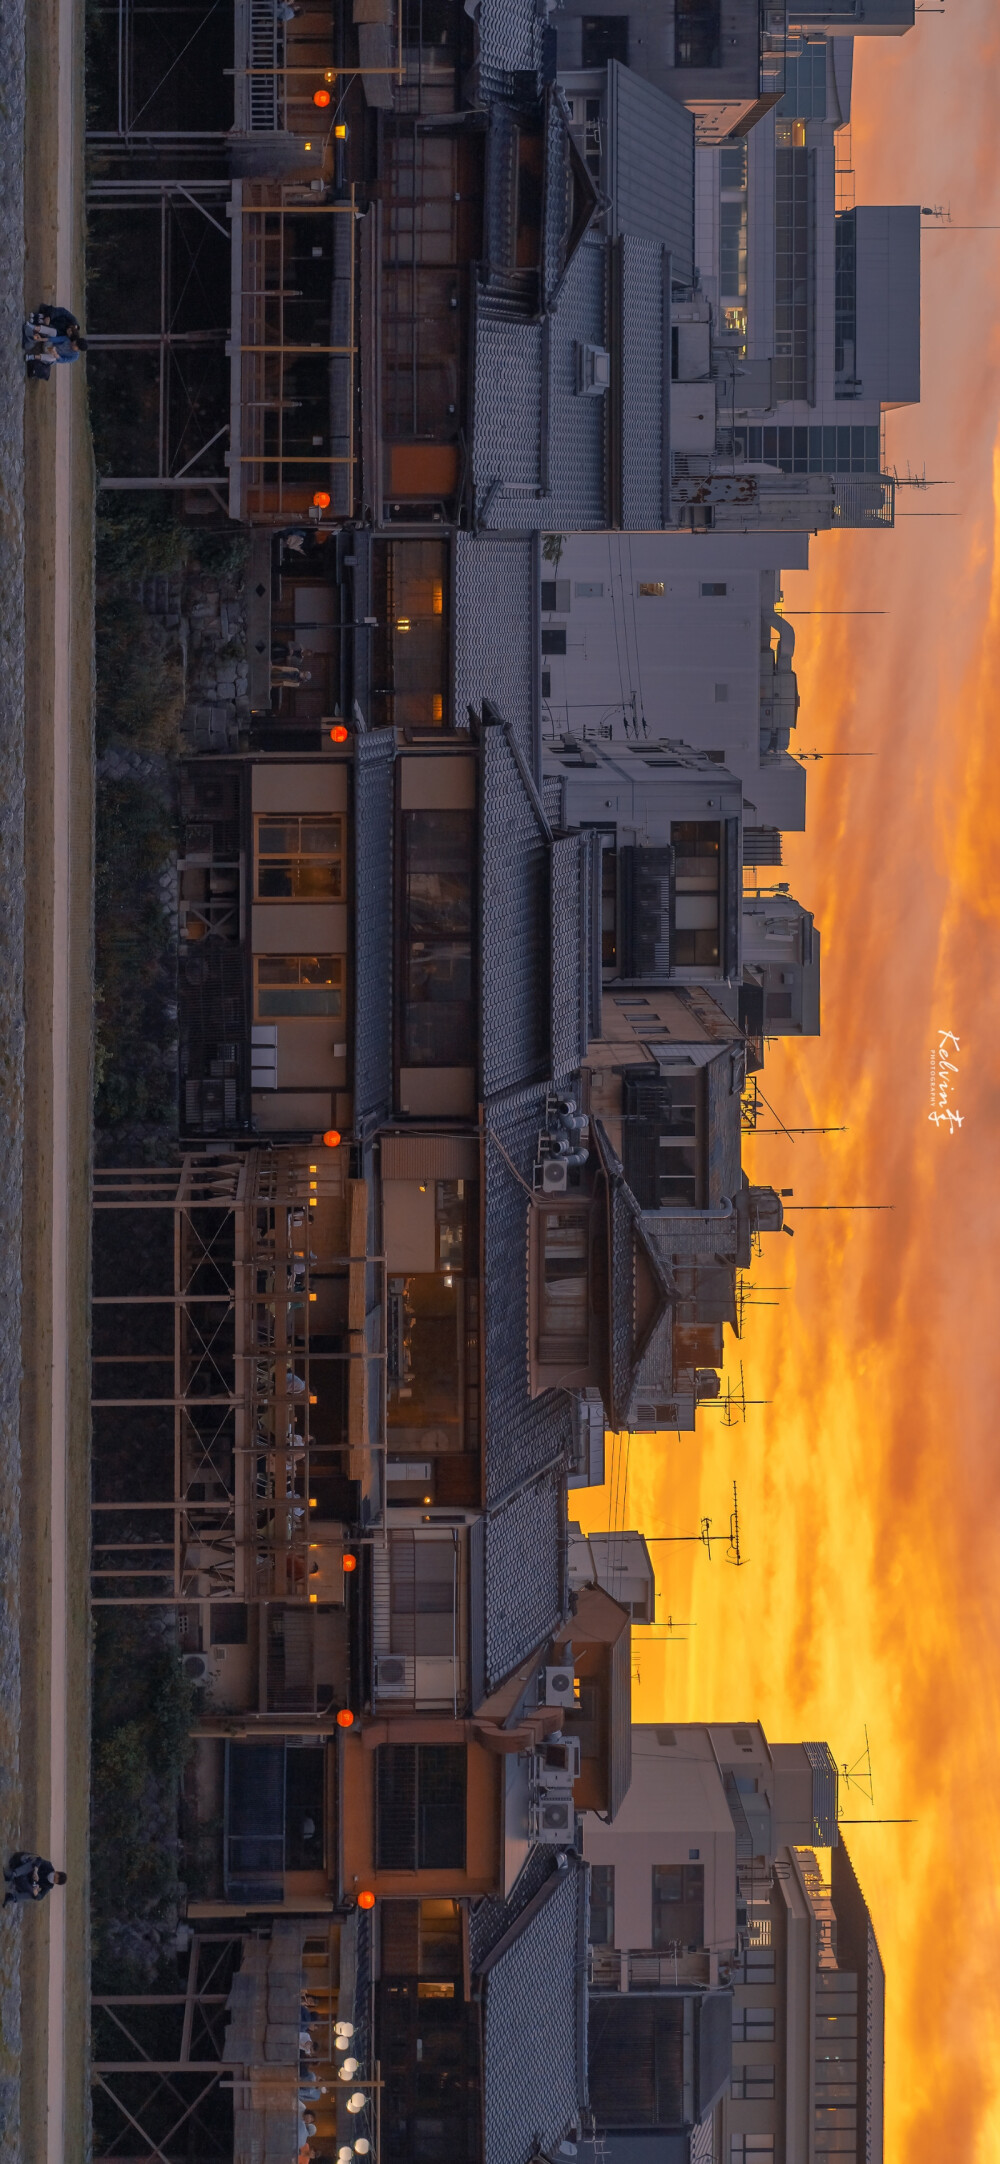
column 345, row 1718
column 321, row 97
column 332, row 1138
column 321, row 499
column 350, row 1562
column 338, row 734
column 366, row 1900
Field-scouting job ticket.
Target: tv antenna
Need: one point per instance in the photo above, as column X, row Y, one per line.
column 734, row 1554
column 939, row 214
column 653, row 1637
column 859, row 1775
column 754, row 1098
column 702, row 1538
column 917, row 480
column 733, row 1402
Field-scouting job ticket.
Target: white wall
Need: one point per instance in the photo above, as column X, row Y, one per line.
column 676, row 1803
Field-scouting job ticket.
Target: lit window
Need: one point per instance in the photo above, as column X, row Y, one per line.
column 298, row 984
column 651, row 589
column 299, row 858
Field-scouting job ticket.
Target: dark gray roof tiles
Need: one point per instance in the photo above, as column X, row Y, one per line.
column 642, row 268
column 514, row 376
column 510, row 42
column 651, row 159
column 723, row 1079
column 523, row 1575
column 534, row 2025
column 490, row 1919
column 569, row 899
column 373, row 812
column 629, row 1343
column 515, row 930
column 523, row 1435
column 496, row 636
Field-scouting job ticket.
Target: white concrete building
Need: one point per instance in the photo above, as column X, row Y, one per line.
column 736, row 2003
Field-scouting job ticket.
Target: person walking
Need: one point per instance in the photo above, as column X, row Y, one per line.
column 30, row 1878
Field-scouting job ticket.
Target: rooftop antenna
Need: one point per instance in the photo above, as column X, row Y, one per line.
column 704, row 1538
column 859, row 1775
column 733, row 1551
column 839, row 1206
column 733, row 1403
column 917, row 480
column 940, row 218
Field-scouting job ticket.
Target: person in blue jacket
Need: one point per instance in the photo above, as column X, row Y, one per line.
column 50, row 336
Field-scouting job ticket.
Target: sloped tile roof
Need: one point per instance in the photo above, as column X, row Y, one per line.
column 534, row 2025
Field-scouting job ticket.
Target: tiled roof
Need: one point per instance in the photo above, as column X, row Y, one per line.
column 510, row 43
column 373, row 785
column 534, row 2026
column 642, row 270
column 576, row 961
column 497, row 643
column 523, row 1435
column 490, row 1919
column 515, row 374
column 523, row 1574
column 628, row 1235
column 651, row 156
column 514, row 870
column 569, row 895
column 723, row 1078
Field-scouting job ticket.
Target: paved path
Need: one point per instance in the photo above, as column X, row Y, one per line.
column 66, row 266
column 58, row 1002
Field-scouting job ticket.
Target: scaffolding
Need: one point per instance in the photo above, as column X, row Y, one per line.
column 294, row 356
column 222, row 2061
column 162, row 2085
column 224, row 331
column 260, row 1320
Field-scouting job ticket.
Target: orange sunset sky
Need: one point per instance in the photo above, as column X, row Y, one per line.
column 869, row 1482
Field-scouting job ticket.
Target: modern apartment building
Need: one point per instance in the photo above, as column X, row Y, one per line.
column 736, row 1990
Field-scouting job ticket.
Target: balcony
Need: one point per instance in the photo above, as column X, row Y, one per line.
column 664, row 1970
column 417, row 1632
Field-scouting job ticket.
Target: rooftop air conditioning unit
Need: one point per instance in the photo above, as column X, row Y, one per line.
column 198, row 1668
column 555, row 1176
column 394, row 1675
column 559, row 1687
column 556, row 1766
column 553, row 1820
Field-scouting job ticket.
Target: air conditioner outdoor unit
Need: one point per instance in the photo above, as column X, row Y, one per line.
column 553, row 1819
column 198, row 1668
column 559, row 1687
column 555, row 1176
column 394, row 1675
column 556, row 1766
